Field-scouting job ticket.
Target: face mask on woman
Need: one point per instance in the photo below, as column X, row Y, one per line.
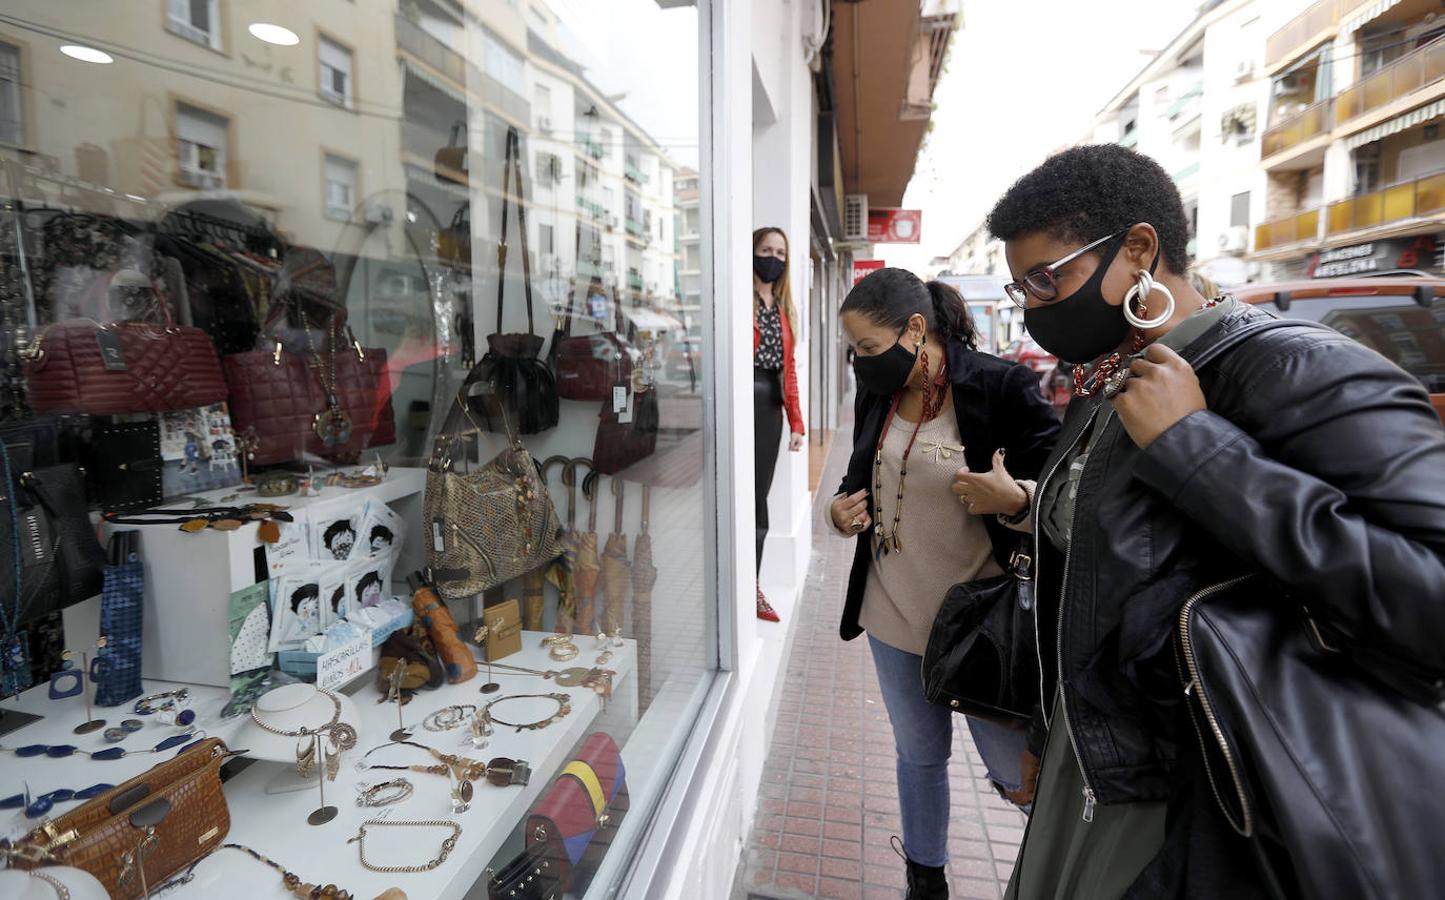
column 768, row 268
column 1083, row 326
column 887, row 372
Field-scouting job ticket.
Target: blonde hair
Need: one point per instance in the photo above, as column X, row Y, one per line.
column 782, row 288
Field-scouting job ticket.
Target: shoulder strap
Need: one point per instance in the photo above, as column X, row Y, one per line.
column 512, row 168
column 1243, row 333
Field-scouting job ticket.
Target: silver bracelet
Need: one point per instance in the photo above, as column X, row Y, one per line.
column 376, row 795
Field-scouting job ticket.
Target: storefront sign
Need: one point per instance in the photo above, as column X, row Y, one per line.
column 337, row 667
column 861, row 268
column 1376, row 256
column 887, row 225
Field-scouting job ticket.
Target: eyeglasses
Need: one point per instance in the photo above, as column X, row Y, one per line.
column 1042, row 282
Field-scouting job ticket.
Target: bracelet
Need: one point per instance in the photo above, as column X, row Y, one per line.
column 564, row 706
column 563, row 652
column 376, row 794
column 448, row 717
column 448, row 844
column 164, row 700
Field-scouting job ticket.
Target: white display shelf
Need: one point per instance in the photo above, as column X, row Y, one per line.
column 275, row 824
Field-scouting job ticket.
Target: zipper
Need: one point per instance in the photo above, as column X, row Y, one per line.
column 1195, row 687
column 465, row 538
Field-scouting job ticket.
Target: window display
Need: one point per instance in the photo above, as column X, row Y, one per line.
column 335, row 435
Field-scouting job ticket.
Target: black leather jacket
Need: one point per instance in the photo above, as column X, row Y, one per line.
column 998, row 404
column 1317, row 461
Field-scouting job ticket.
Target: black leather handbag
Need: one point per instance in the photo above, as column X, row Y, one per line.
column 982, row 656
column 1326, row 755
column 60, row 560
column 123, row 466
column 531, row 875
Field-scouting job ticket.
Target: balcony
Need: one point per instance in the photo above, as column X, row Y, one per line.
column 634, row 281
column 595, row 209
column 1402, row 202
column 590, row 147
column 1297, row 129
column 1406, row 75
column 635, row 228
column 431, row 51
column 633, row 173
column 1291, row 230
column 1304, row 32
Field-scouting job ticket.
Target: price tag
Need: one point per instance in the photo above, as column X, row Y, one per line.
column 624, row 417
column 337, row 667
column 619, row 398
column 112, row 354
column 436, row 536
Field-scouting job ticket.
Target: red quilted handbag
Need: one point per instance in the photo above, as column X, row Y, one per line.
column 82, row 366
column 578, row 817
column 277, row 401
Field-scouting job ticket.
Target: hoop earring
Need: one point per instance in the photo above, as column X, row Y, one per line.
column 1142, row 288
column 305, row 756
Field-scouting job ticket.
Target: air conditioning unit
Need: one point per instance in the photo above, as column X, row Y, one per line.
column 855, row 217
column 544, row 124
column 1244, row 70
column 378, row 213
column 611, row 222
column 1235, row 240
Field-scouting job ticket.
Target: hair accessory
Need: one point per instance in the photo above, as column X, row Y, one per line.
column 448, row 844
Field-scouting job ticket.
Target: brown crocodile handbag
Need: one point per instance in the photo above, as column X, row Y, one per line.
column 138, row 834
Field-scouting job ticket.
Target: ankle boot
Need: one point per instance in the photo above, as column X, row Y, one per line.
column 926, row 882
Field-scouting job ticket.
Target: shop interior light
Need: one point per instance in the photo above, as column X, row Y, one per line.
column 273, row 34
column 87, row 54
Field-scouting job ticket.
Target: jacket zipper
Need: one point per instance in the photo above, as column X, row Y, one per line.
column 1196, row 686
column 1089, row 800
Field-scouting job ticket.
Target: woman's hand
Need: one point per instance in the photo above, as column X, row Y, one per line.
column 795, row 443
column 1029, row 781
column 1162, row 390
column 990, row 493
column 850, row 513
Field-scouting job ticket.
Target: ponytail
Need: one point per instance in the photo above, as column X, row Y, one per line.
column 890, row 296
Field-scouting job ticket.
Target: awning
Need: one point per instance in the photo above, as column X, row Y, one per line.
column 650, row 320
column 1396, row 125
column 442, row 84
column 1366, row 15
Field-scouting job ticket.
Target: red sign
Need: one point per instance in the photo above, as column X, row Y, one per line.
column 894, row 226
column 861, row 268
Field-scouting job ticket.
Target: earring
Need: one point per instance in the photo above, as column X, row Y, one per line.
column 68, row 672
column 305, row 756
column 1144, row 286
column 333, row 760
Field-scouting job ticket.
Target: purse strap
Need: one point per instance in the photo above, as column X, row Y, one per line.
column 512, row 168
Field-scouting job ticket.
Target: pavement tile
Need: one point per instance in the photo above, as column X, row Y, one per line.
column 799, row 843
column 809, row 827
column 976, row 889
column 841, row 868
column 798, row 862
column 842, row 849
column 840, row 889
column 806, row 884
column 841, row 831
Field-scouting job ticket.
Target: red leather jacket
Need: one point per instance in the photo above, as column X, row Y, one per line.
column 790, row 374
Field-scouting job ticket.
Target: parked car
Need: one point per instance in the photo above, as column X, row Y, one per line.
column 1055, row 382
column 1400, row 315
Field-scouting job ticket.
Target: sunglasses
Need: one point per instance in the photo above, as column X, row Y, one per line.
column 1042, row 282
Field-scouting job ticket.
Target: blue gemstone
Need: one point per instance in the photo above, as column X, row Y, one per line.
column 186, row 717
column 60, row 750
column 108, row 753
column 32, row 750
column 172, row 741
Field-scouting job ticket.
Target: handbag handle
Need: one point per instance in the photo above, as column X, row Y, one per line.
column 512, row 168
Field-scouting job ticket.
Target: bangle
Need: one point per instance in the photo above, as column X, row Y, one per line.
column 377, row 795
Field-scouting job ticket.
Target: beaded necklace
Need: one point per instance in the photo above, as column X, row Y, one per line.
column 886, row 540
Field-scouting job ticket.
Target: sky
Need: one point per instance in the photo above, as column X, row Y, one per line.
column 1025, row 78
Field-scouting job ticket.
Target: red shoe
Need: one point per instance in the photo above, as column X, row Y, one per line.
column 765, row 609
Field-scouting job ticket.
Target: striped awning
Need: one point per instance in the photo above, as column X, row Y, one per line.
column 1365, row 15
column 1396, row 125
column 442, row 84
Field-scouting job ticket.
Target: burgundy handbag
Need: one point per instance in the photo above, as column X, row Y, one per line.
column 577, row 819
column 281, row 408
column 83, row 366
column 588, row 366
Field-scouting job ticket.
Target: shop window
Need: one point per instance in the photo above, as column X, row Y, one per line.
column 195, row 20
column 335, row 61
column 12, row 112
column 201, row 139
column 340, row 188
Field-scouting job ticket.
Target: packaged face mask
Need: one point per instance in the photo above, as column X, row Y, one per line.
column 295, row 608
column 368, row 583
column 331, row 578
column 294, row 545
column 336, row 530
column 382, row 530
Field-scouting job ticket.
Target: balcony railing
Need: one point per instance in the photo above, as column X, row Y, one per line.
column 590, row 147
column 1404, row 76
column 431, row 51
column 635, row 228
column 1290, row 230
column 1312, row 122
column 1290, row 40
column 633, row 173
column 1408, row 200
column 596, row 209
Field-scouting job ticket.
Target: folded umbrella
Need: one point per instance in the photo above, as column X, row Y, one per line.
column 614, row 567
column 117, row 672
column 588, row 568
column 534, row 582
column 644, row 577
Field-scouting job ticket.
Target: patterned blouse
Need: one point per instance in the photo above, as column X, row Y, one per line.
column 770, row 344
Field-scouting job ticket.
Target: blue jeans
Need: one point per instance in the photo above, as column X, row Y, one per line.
column 923, row 733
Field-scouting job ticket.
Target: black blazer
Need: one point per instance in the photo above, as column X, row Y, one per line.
column 998, row 404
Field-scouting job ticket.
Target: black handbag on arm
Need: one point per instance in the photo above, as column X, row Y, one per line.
column 513, row 379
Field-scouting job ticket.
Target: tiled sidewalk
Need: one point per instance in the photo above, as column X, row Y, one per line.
column 829, row 799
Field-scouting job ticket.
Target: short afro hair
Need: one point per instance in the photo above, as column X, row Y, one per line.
column 1084, row 193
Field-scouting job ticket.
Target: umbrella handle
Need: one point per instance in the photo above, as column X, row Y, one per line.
column 569, row 478
column 589, row 490
column 619, row 490
column 646, row 506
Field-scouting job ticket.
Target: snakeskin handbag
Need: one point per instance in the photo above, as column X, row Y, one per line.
column 489, row 525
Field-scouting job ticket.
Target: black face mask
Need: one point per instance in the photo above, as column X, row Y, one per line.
column 887, row 372
column 1083, row 326
column 768, row 268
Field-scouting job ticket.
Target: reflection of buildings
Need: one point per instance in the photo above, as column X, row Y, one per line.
column 689, row 208
column 1413, row 336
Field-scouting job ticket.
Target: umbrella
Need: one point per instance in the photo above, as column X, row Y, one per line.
column 588, row 568
column 644, row 577
column 614, row 567
column 557, row 572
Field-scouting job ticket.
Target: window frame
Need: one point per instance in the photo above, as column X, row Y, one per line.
column 215, row 38
column 225, row 152
column 22, row 97
column 348, row 98
column 331, row 213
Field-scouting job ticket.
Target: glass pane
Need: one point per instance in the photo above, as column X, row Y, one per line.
column 454, row 325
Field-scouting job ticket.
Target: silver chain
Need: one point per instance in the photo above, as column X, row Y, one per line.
column 448, row 845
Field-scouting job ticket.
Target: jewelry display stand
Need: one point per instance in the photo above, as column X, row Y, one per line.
column 292, row 707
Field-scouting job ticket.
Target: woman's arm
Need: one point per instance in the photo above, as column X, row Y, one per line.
column 1335, row 486
column 791, row 402
column 1029, row 426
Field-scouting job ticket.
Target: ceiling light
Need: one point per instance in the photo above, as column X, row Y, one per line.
column 87, row 54
column 273, row 34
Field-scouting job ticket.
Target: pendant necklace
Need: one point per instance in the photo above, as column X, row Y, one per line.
column 886, row 540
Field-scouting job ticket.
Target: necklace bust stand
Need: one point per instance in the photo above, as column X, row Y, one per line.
column 291, row 707
column 81, row 885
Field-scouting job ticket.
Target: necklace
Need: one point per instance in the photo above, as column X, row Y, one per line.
column 500, row 772
column 332, row 425
column 61, row 890
column 293, row 881
column 60, row 751
column 448, row 844
column 1110, row 372
column 342, row 735
column 564, row 707
column 41, row 805
column 886, row 540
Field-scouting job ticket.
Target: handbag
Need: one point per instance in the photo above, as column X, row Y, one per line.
column 1318, row 753
column 588, row 367
column 123, row 466
column 137, row 834
column 454, row 243
column 981, row 659
column 530, row 875
column 451, row 160
column 285, row 407
column 621, row 442
column 577, row 818
column 43, row 515
column 489, row 525
column 518, row 385
column 81, row 366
